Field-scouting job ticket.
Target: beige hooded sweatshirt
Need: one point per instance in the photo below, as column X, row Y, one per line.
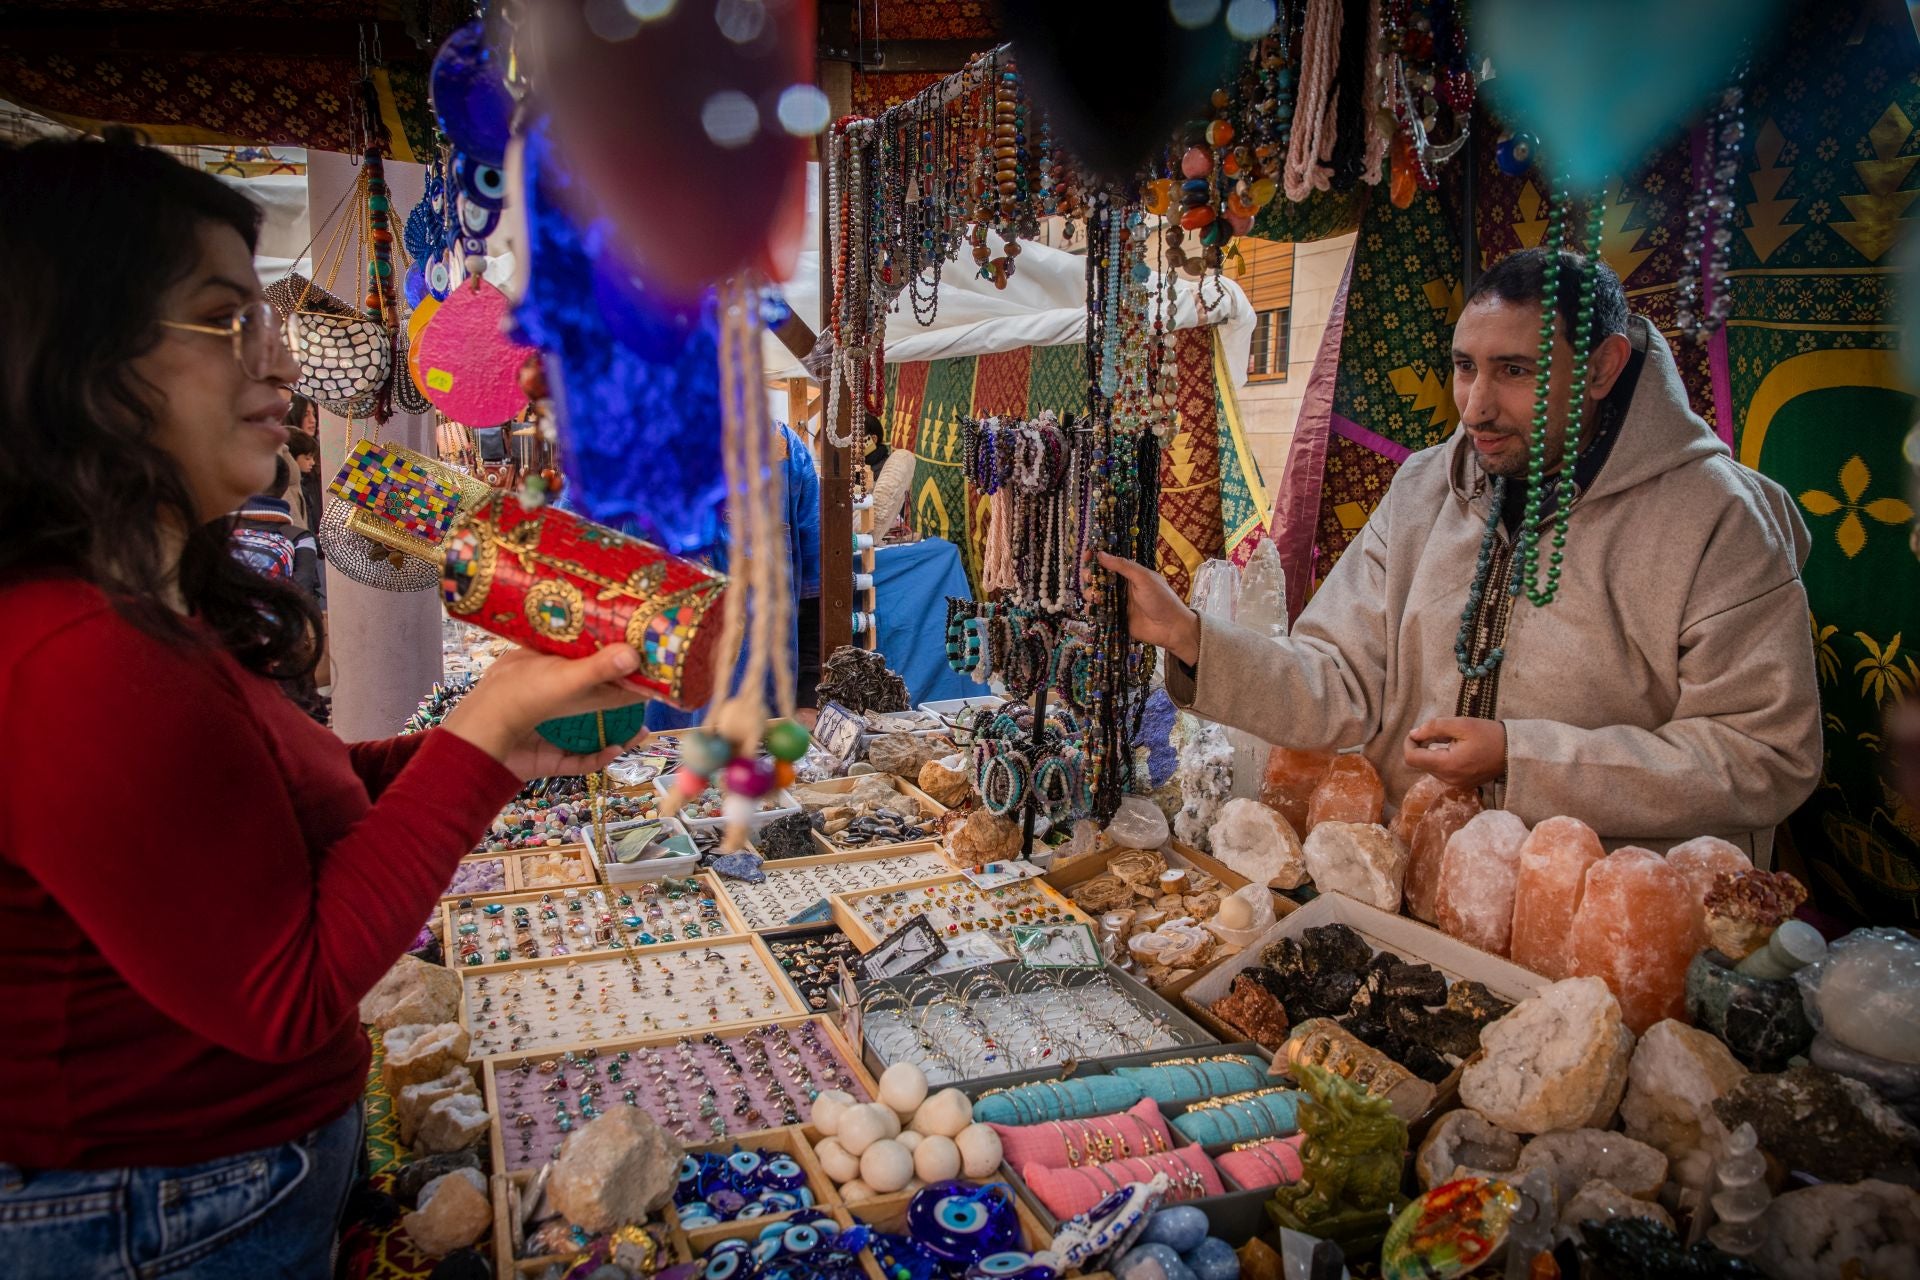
column 1668, row 692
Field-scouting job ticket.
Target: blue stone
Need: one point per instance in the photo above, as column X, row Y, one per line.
column 1214, row 1260
column 1180, row 1227
column 1152, row 1262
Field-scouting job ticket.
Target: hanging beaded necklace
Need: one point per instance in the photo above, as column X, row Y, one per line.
column 1544, row 478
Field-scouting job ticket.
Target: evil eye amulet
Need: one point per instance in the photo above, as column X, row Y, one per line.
column 481, row 183
column 1013, row 1265
column 961, row 1223
column 743, row 1167
column 477, row 219
column 439, row 277
column 729, row 1260
column 783, row 1173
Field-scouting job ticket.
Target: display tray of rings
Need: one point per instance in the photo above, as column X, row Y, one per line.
column 529, row 1006
column 870, row 813
column 1222, row 1128
column 701, row 1086
column 1001, row 1020
column 495, row 930
column 956, row 908
column 794, row 886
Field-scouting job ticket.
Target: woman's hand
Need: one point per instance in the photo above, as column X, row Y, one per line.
column 524, row 689
column 1460, row 751
column 1155, row 614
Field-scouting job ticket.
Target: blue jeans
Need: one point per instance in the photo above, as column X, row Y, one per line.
column 272, row 1212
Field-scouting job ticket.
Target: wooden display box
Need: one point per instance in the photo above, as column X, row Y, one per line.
column 1069, row 875
column 782, row 988
column 450, row 908
column 508, row 1189
column 929, row 808
column 794, row 1141
column 1383, row 931
column 847, row 915
column 889, row 1214
column 849, row 858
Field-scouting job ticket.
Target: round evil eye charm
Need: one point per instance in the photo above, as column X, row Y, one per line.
column 743, row 1168
column 961, row 1223
column 689, row 1180
column 481, row 183
column 783, row 1173
column 729, row 1260
column 1012, row 1265
column 477, row 219
column 698, row 1214
column 783, row 1201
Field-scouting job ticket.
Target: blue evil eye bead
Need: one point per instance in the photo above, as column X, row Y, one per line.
column 1012, row 1265
column 439, row 278
column 962, row 1223
column 470, row 95
column 689, row 1178
column 744, row 1167
column 1514, row 155
column 752, row 1209
column 417, row 234
column 477, row 219
column 729, row 1260
column 778, row 1202
column 783, row 1173
column 482, row 183
column 698, row 1215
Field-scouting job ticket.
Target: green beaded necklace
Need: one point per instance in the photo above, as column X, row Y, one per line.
column 1526, row 554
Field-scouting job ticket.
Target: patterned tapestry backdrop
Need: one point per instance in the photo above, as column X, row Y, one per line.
column 1212, row 501
column 1801, row 383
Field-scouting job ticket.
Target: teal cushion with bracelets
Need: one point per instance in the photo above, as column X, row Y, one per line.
column 1195, row 1079
column 1271, row 1113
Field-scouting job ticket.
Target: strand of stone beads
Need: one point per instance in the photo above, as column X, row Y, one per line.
column 1576, row 399
column 1527, row 542
column 1477, row 590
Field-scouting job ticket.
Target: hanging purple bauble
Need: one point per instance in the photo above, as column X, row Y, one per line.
column 470, row 97
column 415, row 285
column 635, row 384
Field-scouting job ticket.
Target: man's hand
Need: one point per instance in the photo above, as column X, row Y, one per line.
column 1155, row 615
column 1460, row 752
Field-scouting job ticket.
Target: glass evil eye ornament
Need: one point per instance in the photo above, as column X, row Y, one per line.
column 961, row 1223
column 1015, row 1265
column 470, row 96
column 1109, row 1228
column 712, row 1189
column 635, row 384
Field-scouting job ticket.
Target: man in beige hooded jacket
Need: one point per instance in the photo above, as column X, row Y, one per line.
column 1667, row 692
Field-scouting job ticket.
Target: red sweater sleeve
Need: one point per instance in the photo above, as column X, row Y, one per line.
column 379, row 761
column 188, row 866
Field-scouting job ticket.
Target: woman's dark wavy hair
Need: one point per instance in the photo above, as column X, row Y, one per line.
column 93, row 233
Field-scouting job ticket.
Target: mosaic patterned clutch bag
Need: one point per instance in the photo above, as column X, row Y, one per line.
column 551, row 581
column 402, row 499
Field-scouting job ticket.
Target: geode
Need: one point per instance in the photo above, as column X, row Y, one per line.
column 859, row 680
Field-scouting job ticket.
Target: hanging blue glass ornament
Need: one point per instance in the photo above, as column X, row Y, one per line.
column 441, row 273
column 414, row 285
column 477, row 219
column 470, row 96
column 962, row 1223
column 639, row 423
column 483, row 184
column 1514, row 155
column 417, row 234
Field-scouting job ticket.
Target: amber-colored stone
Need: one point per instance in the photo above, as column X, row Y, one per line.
column 1553, row 876
column 1351, row 792
column 1429, row 847
column 1289, row 782
column 1478, row 876
column 1637, row 930
column 1420, row 798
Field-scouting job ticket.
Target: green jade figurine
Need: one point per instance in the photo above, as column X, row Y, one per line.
column 1354, row 1150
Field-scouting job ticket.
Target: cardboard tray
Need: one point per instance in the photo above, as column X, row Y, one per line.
column 1383, row 931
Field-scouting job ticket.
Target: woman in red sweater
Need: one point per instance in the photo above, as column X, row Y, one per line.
column 197, row 883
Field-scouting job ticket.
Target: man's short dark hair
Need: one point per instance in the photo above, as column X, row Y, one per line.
column 302, row 445
column 1521, row 277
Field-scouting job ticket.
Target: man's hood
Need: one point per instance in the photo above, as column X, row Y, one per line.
column 1661, row 432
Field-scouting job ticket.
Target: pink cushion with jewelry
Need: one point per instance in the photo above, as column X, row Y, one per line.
column 1270, row 1164
column 1068, row 1193
column 1139, row 1130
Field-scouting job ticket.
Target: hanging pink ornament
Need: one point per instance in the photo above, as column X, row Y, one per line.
column 688, row 130
column 749, row 778
column 1240, row 222
column 469, row 368
column 1197, row 162
column 687, row 784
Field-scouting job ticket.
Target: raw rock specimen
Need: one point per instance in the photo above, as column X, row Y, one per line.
column 455, row 1217
column 950, row 787
column 615, row 1171
column 1870, row 1230
column 1259, row 843
column 417, row 1053
column 1358, row 859
column 1743, row 910
column 1553, row 876
column 1478, row 876
column 1429, row 849
column 1550, row 1063
column 1464, row 1139
column 1702, row 861
column 1868, row 994
column 1137, row 824
column 1675, row 1071
column 411, row 1103
column 1811, row 1120
column 1602, row 1201
column 413, row 992
column 1574, row 1157
column 1290, row 780
column 1420, row 798
column 1637, row 929
column 454, row 1123
column 903, row 754
column 984, row 838
column 1351, row 792
column 788, row 836
column 858, row 679
column 1205, row 779
column 1253, row 1011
